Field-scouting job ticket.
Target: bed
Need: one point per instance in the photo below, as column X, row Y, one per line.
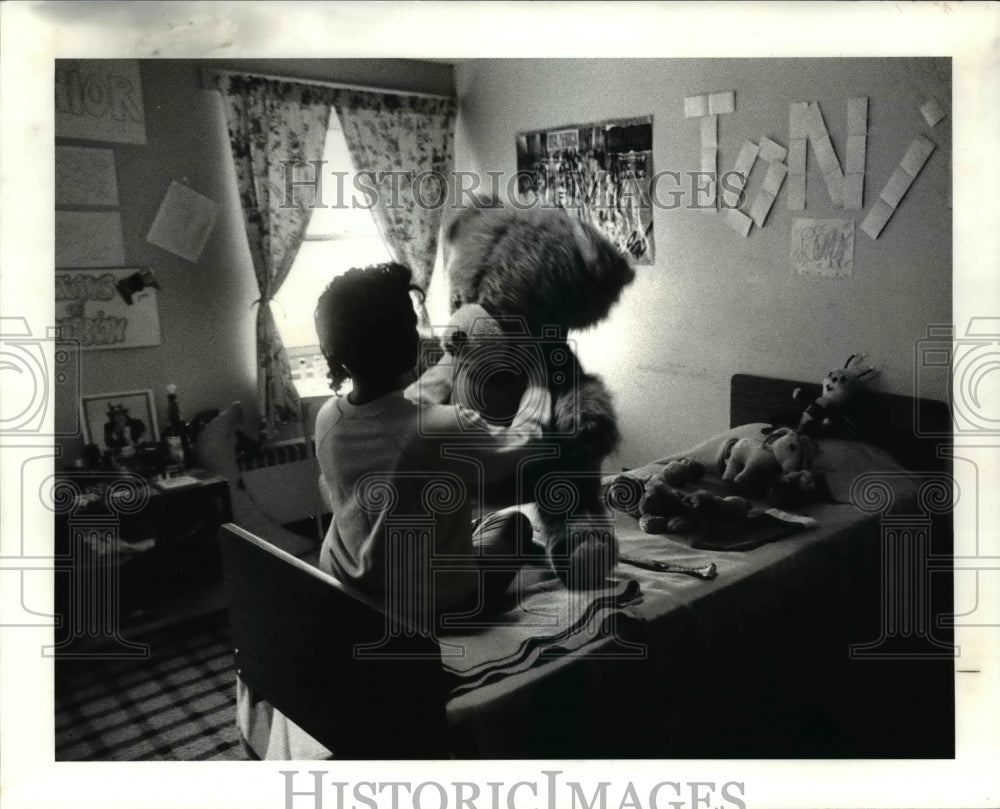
column 828, row 642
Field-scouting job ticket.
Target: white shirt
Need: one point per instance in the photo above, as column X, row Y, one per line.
column 400, row 479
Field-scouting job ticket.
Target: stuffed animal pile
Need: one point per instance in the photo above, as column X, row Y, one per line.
column 519, row 281
column 778, row 464
column 662, row 506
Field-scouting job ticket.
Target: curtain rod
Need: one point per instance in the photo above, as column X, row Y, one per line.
column 319, row 83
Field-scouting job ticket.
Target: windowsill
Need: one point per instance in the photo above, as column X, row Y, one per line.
column 312, row 388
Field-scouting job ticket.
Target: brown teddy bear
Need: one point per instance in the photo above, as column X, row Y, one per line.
column 519, row 281
column 663, row 507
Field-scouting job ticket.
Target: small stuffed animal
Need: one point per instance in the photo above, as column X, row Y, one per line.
column 778, row 465
column 664, row 509
column 684, row 470
column 825, row 414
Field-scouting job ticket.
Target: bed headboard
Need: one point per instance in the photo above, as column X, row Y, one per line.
column 911, row 430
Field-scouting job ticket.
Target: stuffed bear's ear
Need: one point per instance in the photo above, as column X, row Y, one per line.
column 469, row 215
column 608, row 272
column 458, row 224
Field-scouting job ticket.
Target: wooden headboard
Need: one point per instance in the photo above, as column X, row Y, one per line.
column 911, row 430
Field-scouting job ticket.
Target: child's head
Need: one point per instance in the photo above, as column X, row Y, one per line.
column 367, row 325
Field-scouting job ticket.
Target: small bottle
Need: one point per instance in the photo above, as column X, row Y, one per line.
column 175, row 440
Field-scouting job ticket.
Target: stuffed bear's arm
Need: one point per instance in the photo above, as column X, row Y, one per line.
column 434, row 385
column 584, row 415
column 494, row 449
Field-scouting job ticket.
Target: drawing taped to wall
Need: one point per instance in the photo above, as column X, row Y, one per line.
column 89, row 239
column 600, row 172
column 99, row 99
column 183, row 222
column 823, row 246
column 90, row 309
column 85, row 176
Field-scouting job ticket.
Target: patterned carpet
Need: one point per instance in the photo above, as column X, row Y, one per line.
column 176, row 705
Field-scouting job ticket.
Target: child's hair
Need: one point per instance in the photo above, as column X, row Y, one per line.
column 366, row 323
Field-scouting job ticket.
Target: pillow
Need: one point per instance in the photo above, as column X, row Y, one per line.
column 707, row 452
column 215, row 451
column 841, row 462
column 215, row 446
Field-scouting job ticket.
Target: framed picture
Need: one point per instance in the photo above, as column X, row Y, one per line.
column 115, row 421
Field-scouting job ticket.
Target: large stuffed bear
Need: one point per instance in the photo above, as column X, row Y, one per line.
column 519, row 281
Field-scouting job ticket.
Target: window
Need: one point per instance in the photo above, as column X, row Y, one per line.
column 338, row 237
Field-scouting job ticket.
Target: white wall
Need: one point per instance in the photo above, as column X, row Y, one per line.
column 715, row 303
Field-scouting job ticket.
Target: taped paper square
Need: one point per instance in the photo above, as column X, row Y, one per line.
column 695, row 106
column 732, row 184
column 854, row 191
column 775, row 177
column 880, row 213
column 815, row 128
column 747, row 157
column 835, row 187
column 796, row 192
column 916, row 155
column 825, row 156
column 854, row 161
column 706, row 194
column 710, row 132
column 857, row 116
column 797, row 126
column 771, row 152
column 708, row 160
column 932, row 112
column 761, row 208
column 721, row 103
column 797, row 156
column 708, row 200
column 897, row 186
column 732, row 193
column 739, row 221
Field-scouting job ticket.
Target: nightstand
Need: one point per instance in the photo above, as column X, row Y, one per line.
column 125, row 545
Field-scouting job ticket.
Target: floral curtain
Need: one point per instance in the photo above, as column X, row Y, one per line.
column 274, row 125
column 404, row 144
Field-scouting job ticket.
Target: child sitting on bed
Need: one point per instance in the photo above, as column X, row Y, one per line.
column 399, row 477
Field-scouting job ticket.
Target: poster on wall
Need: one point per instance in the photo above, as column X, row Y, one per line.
column 89, row 239
column 85, row 176
column 89, row 308
column 99, row 99
column 600, row 172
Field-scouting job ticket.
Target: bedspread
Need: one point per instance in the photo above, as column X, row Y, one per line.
column 680, row 655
